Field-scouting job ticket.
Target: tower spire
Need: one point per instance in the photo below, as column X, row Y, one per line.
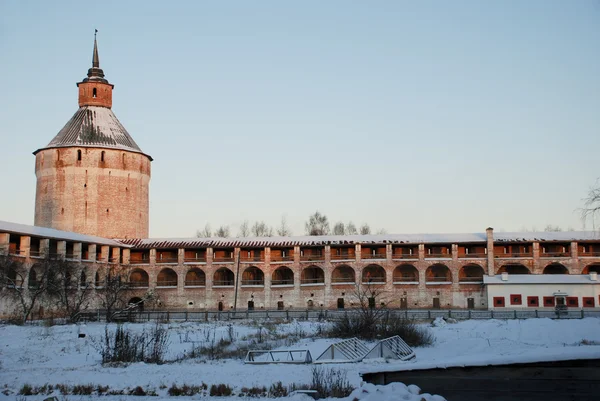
column 95, row 58
column 95, row 74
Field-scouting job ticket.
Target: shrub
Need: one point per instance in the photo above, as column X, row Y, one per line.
column 82, row 389
column 26, row 389
column 277, row 390
column 380, row 325
column 125, row 346
column 330, row 383
column 139, row 391
column 220, row 390
column 253, row 392
column 185, row 390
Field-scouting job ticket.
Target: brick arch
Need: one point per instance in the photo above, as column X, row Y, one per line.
column 195, row 277
column 513, row 268
column 283, row 275
column 167, row 277
column 555, row 268
column 343, row 274
column 471, row 273
column 223, row 277
column 438, row 272
column 139, row 278
column 374, row 274
column 591, row 268
column 253, row 276
column 312, row 275
column 405, row 273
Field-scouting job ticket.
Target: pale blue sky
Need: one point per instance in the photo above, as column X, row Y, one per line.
column 423, row 116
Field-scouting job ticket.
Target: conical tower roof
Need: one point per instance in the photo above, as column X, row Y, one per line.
column 94, row 124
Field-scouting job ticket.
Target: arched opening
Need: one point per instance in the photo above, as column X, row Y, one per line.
column 555, row 268
column 220, row 306
column 343, row 275
column 102, row 156
column 94, row 93
column 78, row 155
column 136, row 303
column 514, row 269
column 82, row 279
column 472, row 273
column 283, row 276
column 406, row 274
column 438, row 273
column 138, row 279
column 223, row 278
column 12, row 279
column 253, row 276
column 591, row 268
column 33, row 278
column 373, row 274
column 97, row 280
column 310, row 304
column 195, row 278
column 312, row 275
column 166, row 278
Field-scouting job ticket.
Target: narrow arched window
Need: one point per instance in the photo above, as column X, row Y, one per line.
column 94, row 92
column 79, row 155
column 102, row 156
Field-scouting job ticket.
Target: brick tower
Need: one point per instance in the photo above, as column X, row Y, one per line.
column 92, row 178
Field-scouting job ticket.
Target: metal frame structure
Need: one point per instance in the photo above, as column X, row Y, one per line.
column 391, row 348
column 297, row 356
column 351, row 350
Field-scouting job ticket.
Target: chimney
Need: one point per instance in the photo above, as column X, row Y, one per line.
column 504, row 276
column 593, row 276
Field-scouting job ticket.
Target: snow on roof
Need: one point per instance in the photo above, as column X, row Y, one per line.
column 320, row 240
column 541, row 279
column 44, row 232
column 94, row 126
column 484, row 359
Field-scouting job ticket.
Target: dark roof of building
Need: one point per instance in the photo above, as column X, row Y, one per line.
column 94, row 126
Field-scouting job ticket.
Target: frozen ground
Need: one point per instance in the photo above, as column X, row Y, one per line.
column 56, row 355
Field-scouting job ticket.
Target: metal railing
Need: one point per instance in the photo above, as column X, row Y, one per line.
column 223, row 283
column 343, row 257
column 253, row 282
column 438, row 255
column 222, row 259
column 313, row 280
column 555, row 254
column 374, row 256
column 138, row 284
column 312, row 258
column 589, row 254
column 398, row 256
column 289, row 258
column 343, row 280
column 252, row 258
column 195, row 260
column 402, row 279
column 166, row 283
column 195, row 283
column 167, row 260
column 472, row 256
column 438, row 279
column 471, row 279
column 324, row 314
column 135, row 261
column 514, row 255
column 373, row 280
column 282, row 282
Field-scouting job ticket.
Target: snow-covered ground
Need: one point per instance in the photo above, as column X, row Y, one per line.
column 56, row 355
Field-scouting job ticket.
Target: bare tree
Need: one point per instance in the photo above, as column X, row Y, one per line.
column 223, row 232
column 591, row 206
column 284, row 230
column 317, row 224
column 339, row 228
column 382, row 231
column 69, row 288
column 351, row 229
column 261, row 229
column 365, row 229
column 26, row 287
column 206, row 232
column 551, row 228
column 244, row 229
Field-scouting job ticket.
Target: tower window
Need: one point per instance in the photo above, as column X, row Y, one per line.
column 94, row 92
column 79, row 155
column 102, row 156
